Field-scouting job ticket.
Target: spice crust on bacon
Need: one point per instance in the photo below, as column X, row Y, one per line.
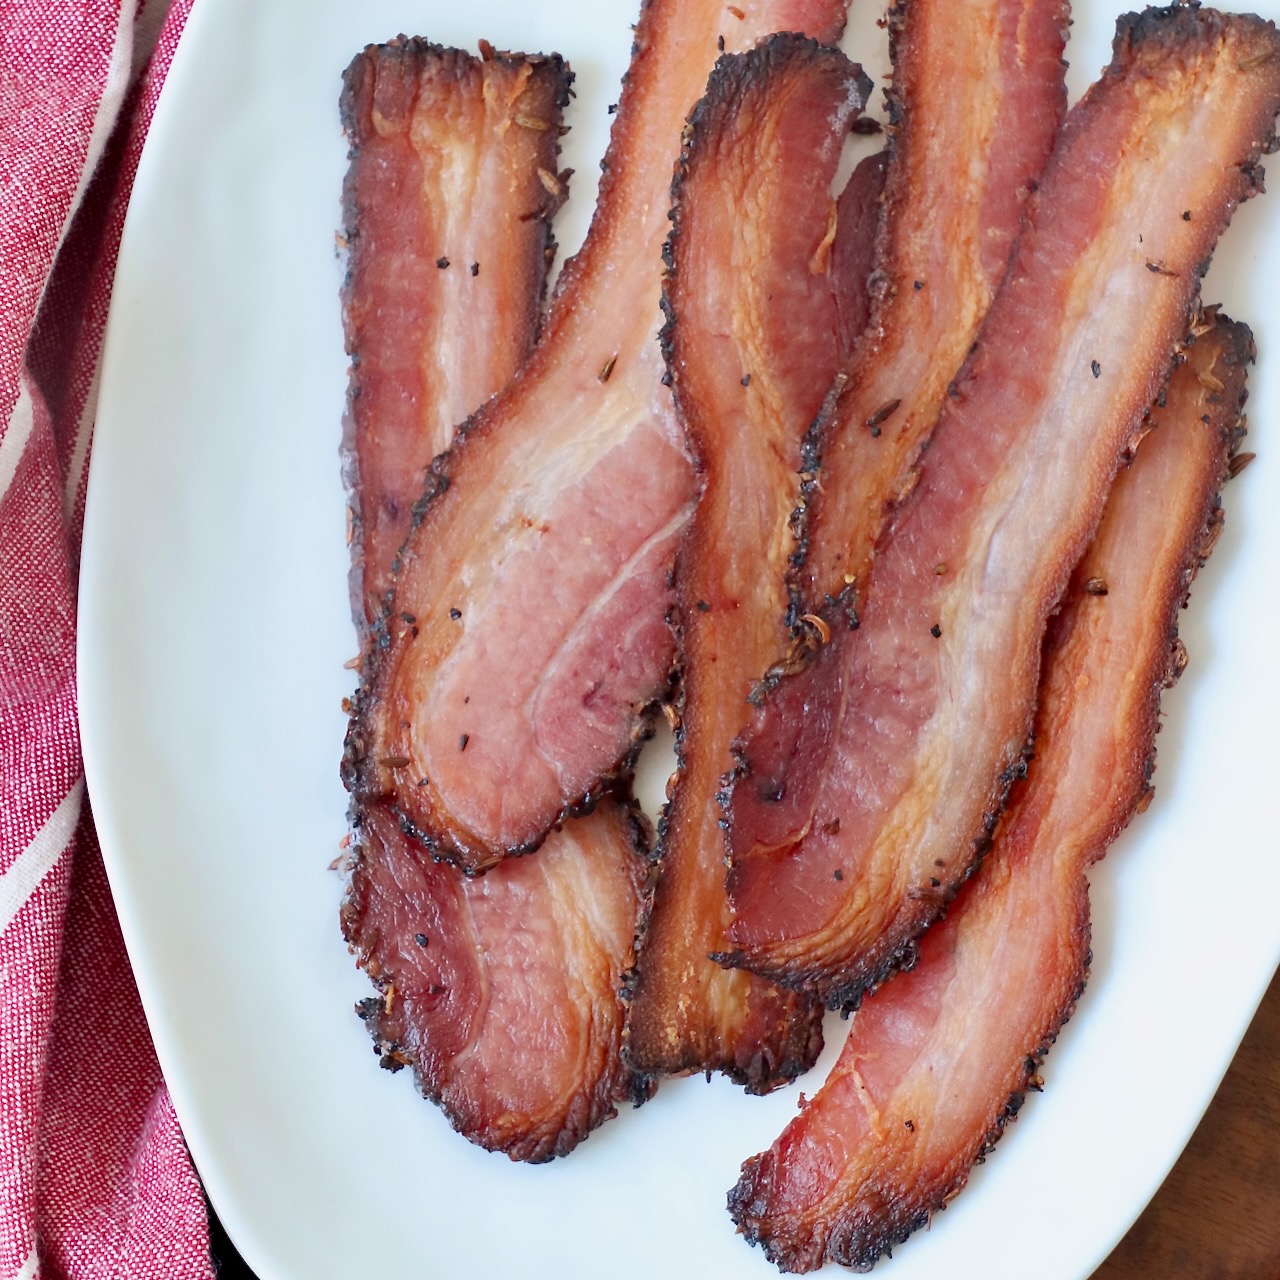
column 538, row 574
column 869, row 784
column 447, row 220
column 941, row 1058
column 977, row 97
column 754, row 335
column 502, row 991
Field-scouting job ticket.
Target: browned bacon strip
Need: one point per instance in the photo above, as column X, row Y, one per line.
column 449, row 229
column 871, row 782
column 502, row 991
column 538, row 577
column 939, row 1059
column 755, row 334
column 978, row 94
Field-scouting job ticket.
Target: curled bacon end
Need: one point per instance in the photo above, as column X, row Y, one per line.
column 538, row 576
column 448, row 230
column 941, row 1058
column 502, row 992
column 871, row 782
column 756, row 330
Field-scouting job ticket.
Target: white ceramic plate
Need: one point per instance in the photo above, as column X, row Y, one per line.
column 214, row 630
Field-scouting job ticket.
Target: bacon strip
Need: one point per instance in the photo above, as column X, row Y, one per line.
column 538, row 576
column 502, row 991
column 755, row 334
column 939, row 1059
column 449, row 232
column 870, row 783
column 978, row 95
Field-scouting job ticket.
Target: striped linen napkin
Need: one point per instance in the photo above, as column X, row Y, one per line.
column 95, row 1180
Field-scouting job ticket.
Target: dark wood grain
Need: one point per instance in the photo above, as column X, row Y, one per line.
column 1217, row 1216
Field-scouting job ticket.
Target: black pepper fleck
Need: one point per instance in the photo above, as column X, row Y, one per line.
column 882, row 413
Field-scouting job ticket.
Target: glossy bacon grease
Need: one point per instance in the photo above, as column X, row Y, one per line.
column 502, row 992
column 538, row 576
column 447, row 219
column 869, row 784
column 977, row 97
column 754, row 336
column 940, row 1059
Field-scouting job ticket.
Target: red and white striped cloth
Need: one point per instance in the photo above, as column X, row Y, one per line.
column 95, row 1180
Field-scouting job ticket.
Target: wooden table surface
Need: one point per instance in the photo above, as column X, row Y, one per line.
column 1217, row 1217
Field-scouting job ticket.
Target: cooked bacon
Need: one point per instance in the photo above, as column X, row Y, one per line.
column 853, row 252
column 538, row 578
column 755, row 334
column 502, row 991
column 977, row 98
column 939, row 1059
column 870, row 783
column 449, row 230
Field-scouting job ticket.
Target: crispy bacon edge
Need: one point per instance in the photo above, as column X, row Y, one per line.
column 762, row 147
column 403, row 298
column 845, row 956
column 668, row 47
column 965, row 152
column 848, row 1192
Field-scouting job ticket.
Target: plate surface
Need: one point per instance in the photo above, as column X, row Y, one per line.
column 214, row 630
